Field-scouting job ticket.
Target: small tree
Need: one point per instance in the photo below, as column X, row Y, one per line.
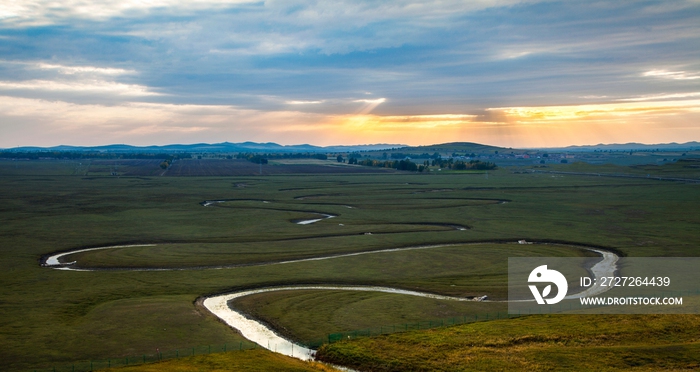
column 340, row 158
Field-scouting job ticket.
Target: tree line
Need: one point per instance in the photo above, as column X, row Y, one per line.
column 263, row 158
column 404, row 165
column 462, row 165
column 407, row 165
column 34, row 155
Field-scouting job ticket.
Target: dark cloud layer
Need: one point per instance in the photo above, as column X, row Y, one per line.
column 424, row 58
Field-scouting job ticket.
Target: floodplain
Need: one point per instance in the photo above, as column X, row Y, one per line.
column 136, row 300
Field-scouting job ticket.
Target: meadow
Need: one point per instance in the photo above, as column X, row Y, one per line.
column 52, row 318
column 533, row 343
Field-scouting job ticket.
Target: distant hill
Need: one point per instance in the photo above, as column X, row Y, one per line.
column 673, row 146
column 459, row 147
column 268, row 147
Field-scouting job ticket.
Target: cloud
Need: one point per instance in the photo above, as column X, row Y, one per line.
column 407, row 122
column 303, row 102
column 371, row 101
column 94, row 86
column 70, row 70
column 532, row 62
column 593, row 96
column 654, row 97
column 306, row 12
column 565, row 114
column 46, row 123
column 674, row 75
column 62, row 80
column 137, row 123
column 43, row 12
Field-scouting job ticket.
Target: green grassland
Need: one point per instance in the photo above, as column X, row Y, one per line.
column 684, row 168
column 462, row 271
column 248, row 360
column 543, row 342
column 51, row 317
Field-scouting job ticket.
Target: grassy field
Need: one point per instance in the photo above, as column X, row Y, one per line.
column 238, row 167
column 50, row 317
column 683, row 168
column 248, row 360
column 542, row 343
column 463, row 271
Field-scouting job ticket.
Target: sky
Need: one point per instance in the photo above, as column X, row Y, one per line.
column 499, row 72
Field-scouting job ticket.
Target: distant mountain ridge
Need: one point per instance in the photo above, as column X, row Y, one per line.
column 694, row 145
column 269, row 147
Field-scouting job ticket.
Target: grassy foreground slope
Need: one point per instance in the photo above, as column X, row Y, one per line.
column 547, row 342
column 257, row 360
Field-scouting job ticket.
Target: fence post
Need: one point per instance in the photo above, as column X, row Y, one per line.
column 144, row 358
column 177, row 353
